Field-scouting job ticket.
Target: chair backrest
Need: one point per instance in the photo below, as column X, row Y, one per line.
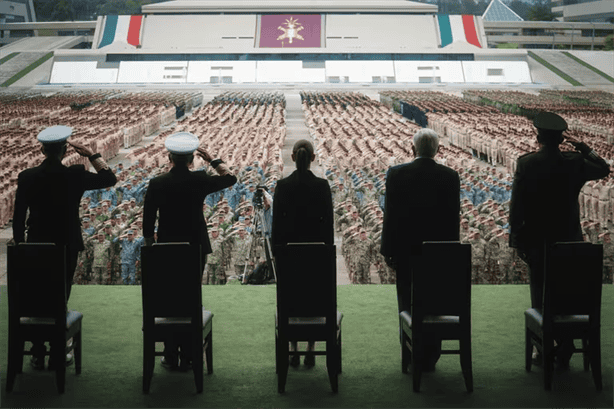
column 441, row 280
column 573, row 279
column 171, row 281
column 306, row 281
column 36, row 281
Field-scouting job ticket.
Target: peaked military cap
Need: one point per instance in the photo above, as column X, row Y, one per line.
column 549, row 121
column 55, row 134
column 182, row 143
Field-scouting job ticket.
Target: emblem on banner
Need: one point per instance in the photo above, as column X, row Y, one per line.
column 291, row 30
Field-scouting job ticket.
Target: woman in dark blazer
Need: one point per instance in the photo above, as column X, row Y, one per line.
column 302, row 212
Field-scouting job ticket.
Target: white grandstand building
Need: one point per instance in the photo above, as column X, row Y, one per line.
column 342, row 41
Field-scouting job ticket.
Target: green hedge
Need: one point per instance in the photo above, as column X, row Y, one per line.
column 590, row 67
column 27, row 70
column 554, row 69
column 8, row 57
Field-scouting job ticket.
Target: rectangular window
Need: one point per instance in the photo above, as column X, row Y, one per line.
column 428, row 80
column 221, row 68
column 227, row 80
column 494, row 72
column 314, row 64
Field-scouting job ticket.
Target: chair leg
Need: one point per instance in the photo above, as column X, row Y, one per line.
column 77, row 350
column 586, row 353
column 20, row 348
column 198, row 365
column 595, row 348
column 528, row 349
column 548, row 361
column 405, row 354
column 282, row 358
column 149, row 349
column 417, row 357
column 332, row 362
column 13, row 363
column 276, row 354
column 209, row 352
column 466, row 363
column 58, row 353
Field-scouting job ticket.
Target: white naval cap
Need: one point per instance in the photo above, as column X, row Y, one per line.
column 54, row 134
column 182, row 143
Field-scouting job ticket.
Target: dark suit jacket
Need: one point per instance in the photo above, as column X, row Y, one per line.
column 422, row 204
column 544, row 205
column 52, row 192
column 302, row 210
column 179, row 196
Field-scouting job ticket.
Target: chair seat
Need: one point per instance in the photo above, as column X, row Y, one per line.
column 309, row 320
column 537, row 317
column 71, row 318
column 431, row 319
column 207, row 316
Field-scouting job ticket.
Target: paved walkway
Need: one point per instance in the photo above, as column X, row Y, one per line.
column 296, row 130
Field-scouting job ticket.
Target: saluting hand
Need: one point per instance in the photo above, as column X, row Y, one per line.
column 81, row 149
column 203, row 154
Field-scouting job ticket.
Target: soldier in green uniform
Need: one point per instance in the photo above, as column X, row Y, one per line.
column 101, row 260
column 215, row 262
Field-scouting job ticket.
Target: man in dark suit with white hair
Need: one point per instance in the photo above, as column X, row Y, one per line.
column 422, row 204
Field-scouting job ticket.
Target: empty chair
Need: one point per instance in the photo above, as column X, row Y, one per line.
column 172, row 306
column 307, row 305
column 441, row 307
column 571, row 307
column 37, row 308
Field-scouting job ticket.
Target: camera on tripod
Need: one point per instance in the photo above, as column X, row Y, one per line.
column 258, row 199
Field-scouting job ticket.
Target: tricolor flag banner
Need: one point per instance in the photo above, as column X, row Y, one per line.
column 290, row 30
column 126, row 29
column 457, row 28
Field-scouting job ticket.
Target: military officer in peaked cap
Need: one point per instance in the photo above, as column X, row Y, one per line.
column 179, row 196
column 545, row 192
column 57, row 220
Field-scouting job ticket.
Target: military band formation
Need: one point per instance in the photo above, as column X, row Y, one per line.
column 356, row 140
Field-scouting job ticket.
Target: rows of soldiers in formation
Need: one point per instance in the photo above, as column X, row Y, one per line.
column 433, row 101
column 251, row 98
column 239, row 133
column 104, row 121
column 112, row 228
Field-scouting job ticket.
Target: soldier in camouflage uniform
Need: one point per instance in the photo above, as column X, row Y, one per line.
column 214, row 273
column 101, row 260
column 362, row 255
column 130, row 256
column 478, row 258
column 608, row 256
column 241, row 251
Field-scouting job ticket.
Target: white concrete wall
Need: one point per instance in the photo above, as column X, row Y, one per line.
column 288, row 71
column 240, row 71
column 389, row 33
column 602, row 60
column 188, row 34
column 411, row 71
column 513, row 71
column 360, row 71
column 81, row 72
column 152, row 71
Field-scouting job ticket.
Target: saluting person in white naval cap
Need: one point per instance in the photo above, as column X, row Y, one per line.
column 56, row 220
column 178, row 196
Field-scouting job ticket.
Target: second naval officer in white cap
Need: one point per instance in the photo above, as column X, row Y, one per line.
column 178, row 197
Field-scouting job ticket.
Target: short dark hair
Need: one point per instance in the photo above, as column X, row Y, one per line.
column 182, row 160
column 54, row 149
column 549, row 137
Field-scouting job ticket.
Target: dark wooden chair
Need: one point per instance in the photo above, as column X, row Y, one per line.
column 172, row 305
column 307, row 305
column 571, row 307
column 441, row 306
column 36, row 281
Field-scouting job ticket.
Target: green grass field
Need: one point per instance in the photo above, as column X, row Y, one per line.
column 244, row 360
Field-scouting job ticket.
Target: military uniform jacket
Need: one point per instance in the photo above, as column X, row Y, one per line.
column 302, row 210
column 179, row 196
column 52, row 192
column 544, row 206
column 422, row 204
